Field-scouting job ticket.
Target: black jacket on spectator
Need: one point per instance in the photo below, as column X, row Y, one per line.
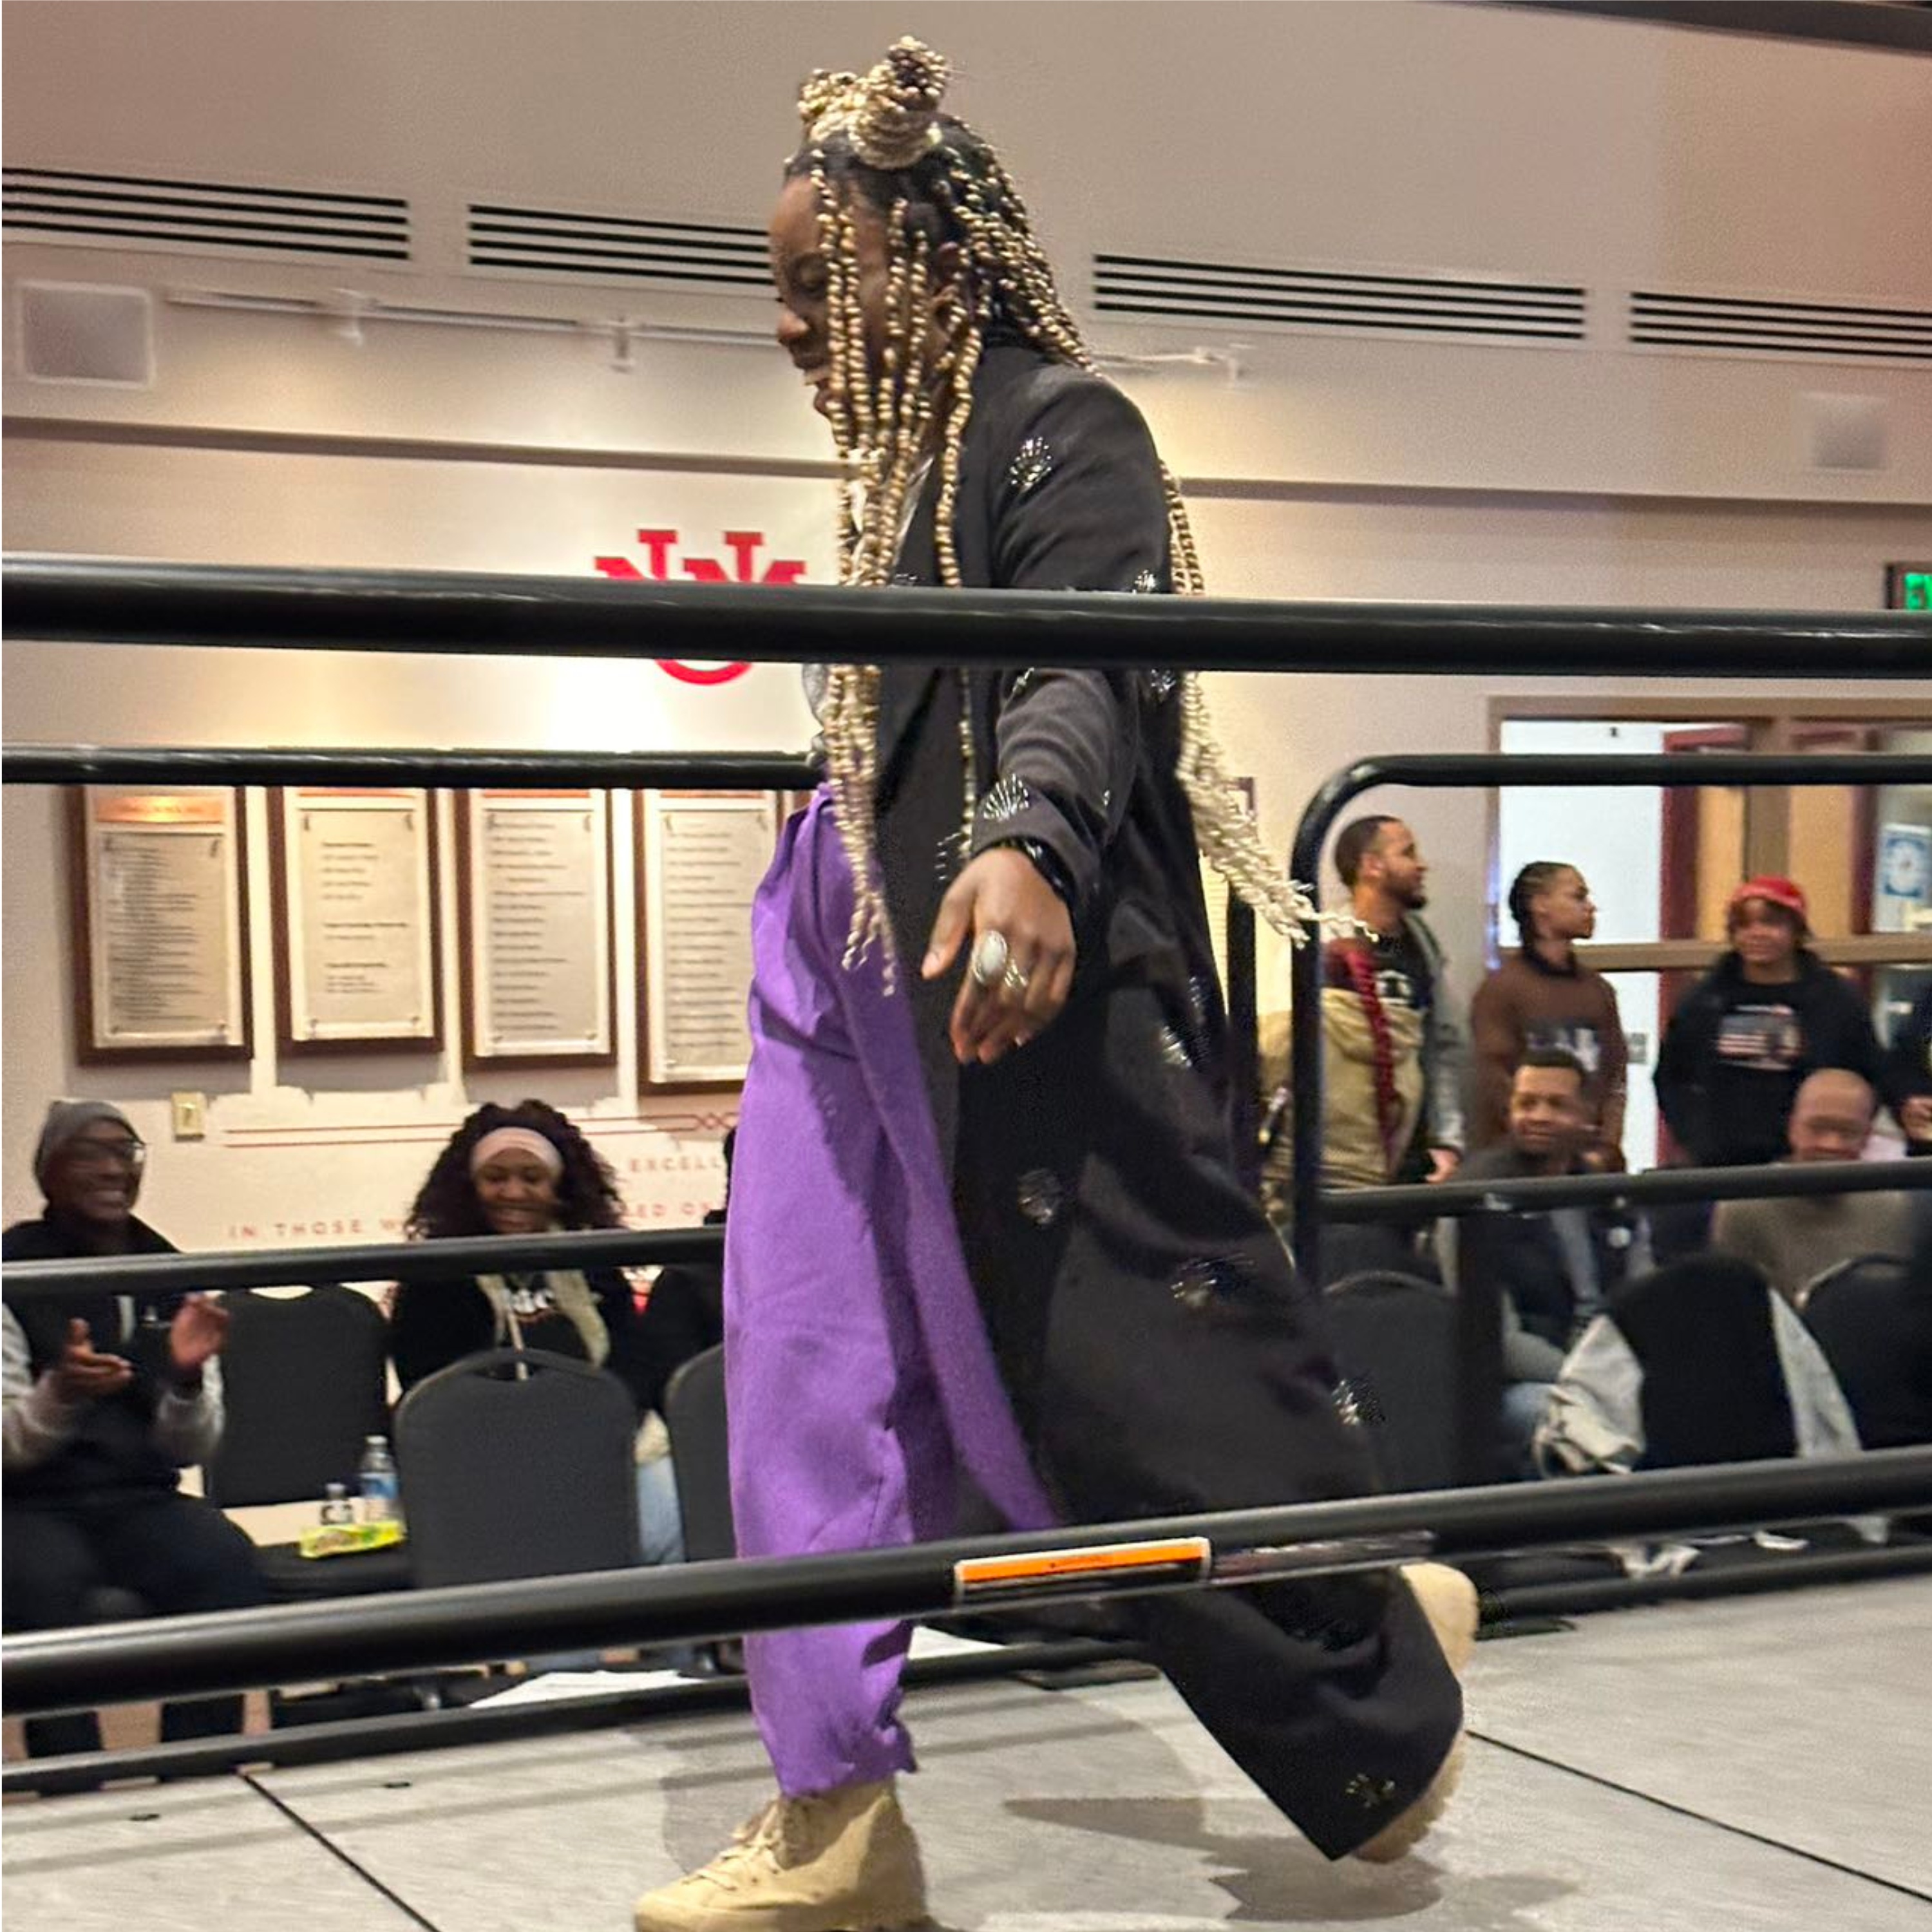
column 1522, row 1256
column 1734, row 1055
column 434, row 1323
column 1907, row 1071
column 112, row 1450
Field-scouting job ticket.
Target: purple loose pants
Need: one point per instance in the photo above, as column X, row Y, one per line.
column 860, row 1379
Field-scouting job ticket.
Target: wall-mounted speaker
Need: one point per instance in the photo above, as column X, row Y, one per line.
column 86, row 332
column 1838, row 432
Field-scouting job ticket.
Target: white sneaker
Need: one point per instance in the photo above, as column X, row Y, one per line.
column 840, row 1861
column 1448, row 1600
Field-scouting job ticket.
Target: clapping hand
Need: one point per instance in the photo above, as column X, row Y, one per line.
column 197, row 1332
column 83, row 1373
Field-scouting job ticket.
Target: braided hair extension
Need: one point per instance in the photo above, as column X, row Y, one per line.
column 935, row 182
column 1360, row 969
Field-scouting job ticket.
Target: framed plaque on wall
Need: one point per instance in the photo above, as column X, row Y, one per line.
column 160, row 923
column 700, row 856
column 357, row 954
column 533, row 875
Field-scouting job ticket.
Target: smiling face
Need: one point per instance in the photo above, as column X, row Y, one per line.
column 1766, row 937
column 802, row 274
column 1548, row 1116
column 95, row 1178
column 517, row 1192
column 1831, row 1118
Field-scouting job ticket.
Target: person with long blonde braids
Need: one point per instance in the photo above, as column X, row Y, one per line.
column 987, row 1215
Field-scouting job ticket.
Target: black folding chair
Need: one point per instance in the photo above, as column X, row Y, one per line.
column 303, row 1380
column 694, row 1415
column 517, row 1462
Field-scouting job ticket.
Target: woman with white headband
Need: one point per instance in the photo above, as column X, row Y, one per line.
column 527, row 1170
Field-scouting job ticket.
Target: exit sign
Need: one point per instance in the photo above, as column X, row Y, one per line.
column 1908, row 587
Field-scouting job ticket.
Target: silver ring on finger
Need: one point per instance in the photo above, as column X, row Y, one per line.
column 992, row 959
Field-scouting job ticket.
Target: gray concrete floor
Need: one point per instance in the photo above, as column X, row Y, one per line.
column 1759, row 1764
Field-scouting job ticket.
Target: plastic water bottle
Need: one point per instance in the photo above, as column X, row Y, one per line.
column 376, row 1478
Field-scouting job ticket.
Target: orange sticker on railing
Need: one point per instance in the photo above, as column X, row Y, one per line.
column 1095, row 1564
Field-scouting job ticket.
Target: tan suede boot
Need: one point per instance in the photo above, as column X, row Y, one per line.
column 842, row 1860
column 1448, row 1600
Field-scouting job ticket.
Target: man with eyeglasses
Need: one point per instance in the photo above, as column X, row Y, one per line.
column 105, row 1402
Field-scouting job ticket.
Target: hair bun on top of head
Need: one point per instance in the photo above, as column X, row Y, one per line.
column 889, row 114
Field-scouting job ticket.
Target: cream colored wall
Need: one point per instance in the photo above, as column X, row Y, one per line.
column 1436, row 137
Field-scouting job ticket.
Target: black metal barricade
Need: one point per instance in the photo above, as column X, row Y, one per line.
column 56, row 600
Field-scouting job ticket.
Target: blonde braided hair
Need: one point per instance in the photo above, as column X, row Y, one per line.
column 887, row 123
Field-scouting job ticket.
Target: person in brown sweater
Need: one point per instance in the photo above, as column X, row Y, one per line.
column 1544, row 996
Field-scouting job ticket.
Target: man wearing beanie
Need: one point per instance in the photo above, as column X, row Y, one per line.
column 105, row 1402
column 1746, row 1037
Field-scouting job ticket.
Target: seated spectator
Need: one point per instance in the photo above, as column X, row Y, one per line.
column 1554, row 1270
column 1795, row 1239
column 1543, row 996
column 1905, row 1078
column 105, row 1402
column 684, row 1314
column 1701, row 1362
column 1743, row 1040
column 526, row 1170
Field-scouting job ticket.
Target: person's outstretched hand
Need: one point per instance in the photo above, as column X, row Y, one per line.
column 1002, row 891
column 84, row 1373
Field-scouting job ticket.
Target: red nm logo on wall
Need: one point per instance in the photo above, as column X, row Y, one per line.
column 744, row 546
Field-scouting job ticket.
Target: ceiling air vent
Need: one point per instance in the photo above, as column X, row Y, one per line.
column 1818, row 332
column 616, row 248
column 202, row 217
column 1471, row 308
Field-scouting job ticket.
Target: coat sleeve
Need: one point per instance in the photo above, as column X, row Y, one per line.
column 1907, row 1069
column 1496, row 1028
column 37, row 1423
column 1858, row 1048
column 1080, row 506
column 1612, row 1075
column 188, row 1427
column 1679, row 1078
column 1446, row 1058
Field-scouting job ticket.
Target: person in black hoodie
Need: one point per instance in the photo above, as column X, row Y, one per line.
column 1741, row 1044
column 105, row 1402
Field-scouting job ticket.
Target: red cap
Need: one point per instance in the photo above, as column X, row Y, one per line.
column 1785, row 892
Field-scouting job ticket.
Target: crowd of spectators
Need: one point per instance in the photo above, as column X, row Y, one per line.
column 1770, row 1057
column 107, row 1402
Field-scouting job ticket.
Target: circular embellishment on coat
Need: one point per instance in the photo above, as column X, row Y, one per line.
column 1355, row 1402
column 1144, row 582
column 1007, row 799
column 1210, row 1283
column 1174, row 1050
column 1032, row 464
column 1160, row 684
column 1041, row 1196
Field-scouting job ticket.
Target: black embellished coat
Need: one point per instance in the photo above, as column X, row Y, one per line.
column 1145, row 1317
